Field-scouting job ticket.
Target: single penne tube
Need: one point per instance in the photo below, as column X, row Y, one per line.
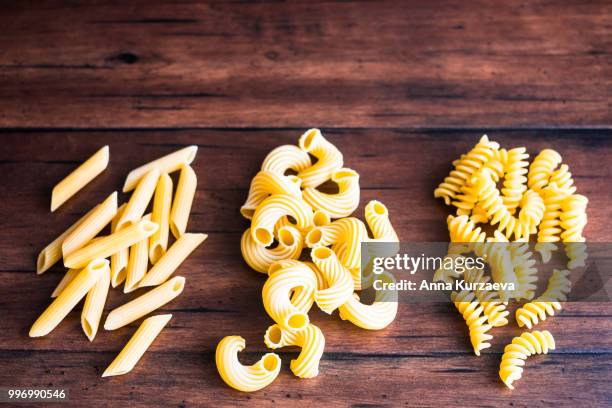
column 138, row 344
column 95, row 222
column 144, row 304
column 119, row 260
column 68, row 277
column 138, row 263
column 68, row 298
column 171, row 260
column 79, row 178
column 162, row 202
column 53, row 252
column 165, row 164
column 183, row 199
column 94, row 305
column 139, row 201
column 110, row 244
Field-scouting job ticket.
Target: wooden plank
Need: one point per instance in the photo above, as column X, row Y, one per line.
column 423, row 358
column 446, row 63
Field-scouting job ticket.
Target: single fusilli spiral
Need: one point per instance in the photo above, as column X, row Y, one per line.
column 542, row 168
column 515, row 354
column 472, row 312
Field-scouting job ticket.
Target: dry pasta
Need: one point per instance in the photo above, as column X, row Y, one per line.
column 66, row 279
column 79, row 178
column 260, row 257
column 271, row 210
column 341, row 204
column 329, row 158
column 515, row 354
column 119, row 260
column 183, row 199
column 339, row 281
column 310, row 340
column 139, row 201
column 94, row 304
column 473, row 313
column 138, row 262
column 267, row 183
column 162, row 202
column 286, row 157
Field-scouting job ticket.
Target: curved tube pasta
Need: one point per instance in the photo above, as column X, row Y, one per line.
column 162, row 202
column 183, row 199
column 471, row 310
column 329, row 158
column 139, row 201
column 91, row 225
column 138, row 344
column 341, row 204
column 271, row 210
column 377, row 217
column 284, row 277
column 339, row 280
column 310, row 340
column 267, row 183
column 166, row 164
column 286, row 157
column 542, row 168
column 376, row 316
column 260, row 257
column 350, row 230
column 110, row 244
column 94, row 304
column 527, row 344
column 68, row 298
column 240, row 377
column 79, row 178
column 532, row 313
column 146, row 303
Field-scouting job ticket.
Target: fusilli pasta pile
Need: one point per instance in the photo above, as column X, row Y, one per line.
column 289, row 214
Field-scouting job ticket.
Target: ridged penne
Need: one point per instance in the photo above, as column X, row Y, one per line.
column 166, row 164
column 310, row 340
column 183, row 199
column 139, row 201
column 68, row 298
column 144, row 304
column 172, row 259
column 284, row 277
column 79, row 178
column 339, row 280
column 119, row 260
column 110, row 244
column 240, row 377
column 341, row 204
column 66, row 279
column 162, row 202
column 91, row 225
column 94, row 304
column 274, row 208
column 329, row 159
column 138, row 344
column 286, row 157
column 138, row 262
column 260, row 257
column 267, row 183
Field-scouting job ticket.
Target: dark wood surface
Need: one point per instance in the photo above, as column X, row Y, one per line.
column 402, row 88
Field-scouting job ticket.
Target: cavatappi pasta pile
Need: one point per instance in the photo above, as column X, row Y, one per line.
column 135, row 240
column 535, row 200
column 309, row 248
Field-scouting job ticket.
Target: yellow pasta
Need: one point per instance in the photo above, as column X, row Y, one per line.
column 99, row 218
column 267, row 183
column 542, row 168
column 183, row 199
column 138, row 344
column 165, row 164
column 172, row 259
column 68, row 277
column 119, row 260
column 274, row 208
column 329, row 159
column 79, row 178
column 472, row 312
column 549, row 230
column 240, row 377
column 284, row 277
column 144, row 304
column 341, row 204
column 515, row 181
column 339, row 280
column 260, row 257
column 310, row 340
column 68, row 298
column 532, row 313
column 377, row 217
column 94, row 304
column 286, row 157
column 573, row 220
column 563, row 179
column 515, row 354
column 110, row 244
column 162, row 202
column 351, row 231
column 138, row 262
column 492, row 307
column 139, row 201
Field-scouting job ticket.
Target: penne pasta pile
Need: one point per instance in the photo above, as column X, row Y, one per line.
column 309, row 246
column 96, row 262
column 537, row 199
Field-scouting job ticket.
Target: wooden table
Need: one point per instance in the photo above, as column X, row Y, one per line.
column 402, row 88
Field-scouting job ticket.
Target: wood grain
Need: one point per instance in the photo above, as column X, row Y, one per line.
column 423, row 358
column 435, row 64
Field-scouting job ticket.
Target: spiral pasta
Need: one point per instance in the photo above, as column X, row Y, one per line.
column 515, row 170
column 341, row 204
column 472, row 312
column 523, row 346
column 549, row 230
column 532, row 211
column 329, row 158
column 267, row 183
column 526, row 272
column 240, row 377
column 310, row 340
column 573, row 220
column 542, row 168
column 532, row 313
column 492, row 307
